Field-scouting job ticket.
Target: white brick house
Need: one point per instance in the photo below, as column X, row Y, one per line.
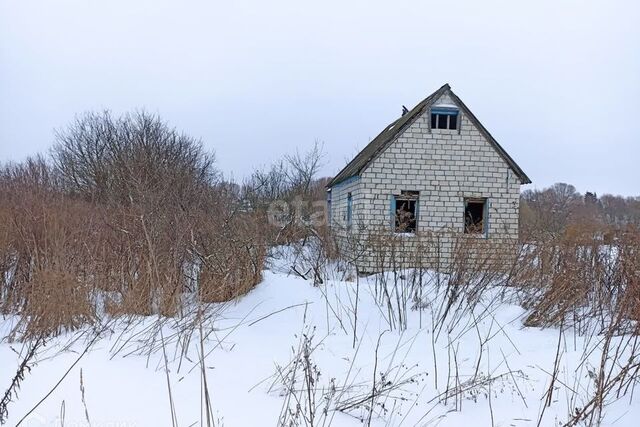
column 436, row 170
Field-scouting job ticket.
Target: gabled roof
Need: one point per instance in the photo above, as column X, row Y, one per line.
column 388, row 135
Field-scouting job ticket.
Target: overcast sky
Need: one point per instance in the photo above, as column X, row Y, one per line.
column 556, row 82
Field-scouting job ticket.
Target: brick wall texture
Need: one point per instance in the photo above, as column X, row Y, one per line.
column 445, row 166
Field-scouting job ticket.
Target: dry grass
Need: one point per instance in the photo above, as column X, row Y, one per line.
column 67, row 261
column 231, row 261
column 579, row 276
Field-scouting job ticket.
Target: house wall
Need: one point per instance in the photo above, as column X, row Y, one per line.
column 339, row 195
column 445, row 166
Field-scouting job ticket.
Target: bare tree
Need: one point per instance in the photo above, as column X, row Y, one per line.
column 127, row 158
column 303, row 168
column 551, row 209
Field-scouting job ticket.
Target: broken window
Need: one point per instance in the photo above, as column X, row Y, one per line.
column 444, row 118
column 405, row 212
column 475, row 216
column 453, row 121
column 442, row 121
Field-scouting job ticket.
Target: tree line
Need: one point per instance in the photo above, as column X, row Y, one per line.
column 561, row 208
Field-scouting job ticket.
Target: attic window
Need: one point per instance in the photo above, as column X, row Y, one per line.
column 444, row 118
column 475, row 215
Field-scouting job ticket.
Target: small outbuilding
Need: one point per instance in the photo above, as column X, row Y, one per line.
column 436, row 171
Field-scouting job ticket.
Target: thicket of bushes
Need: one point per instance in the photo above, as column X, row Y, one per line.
column 123, row 217
column 127, row 216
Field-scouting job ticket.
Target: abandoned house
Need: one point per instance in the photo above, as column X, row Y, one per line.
column 437, row 172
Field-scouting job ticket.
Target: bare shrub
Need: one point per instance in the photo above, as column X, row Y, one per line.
column 134, row 159
column 126, row 218
column 291, row 184
column 231, row 257
column 577, row 276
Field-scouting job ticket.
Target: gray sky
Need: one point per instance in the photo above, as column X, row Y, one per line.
column 556, row 82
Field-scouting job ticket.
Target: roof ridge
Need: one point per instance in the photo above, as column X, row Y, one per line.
column 393, row 129
column 355, row 166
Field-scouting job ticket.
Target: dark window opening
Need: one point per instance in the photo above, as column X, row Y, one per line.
column 406, row 212
column 453, row 121
column 475, row 216
column 444, row 121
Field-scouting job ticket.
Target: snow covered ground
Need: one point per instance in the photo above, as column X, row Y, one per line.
column 288, row 343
